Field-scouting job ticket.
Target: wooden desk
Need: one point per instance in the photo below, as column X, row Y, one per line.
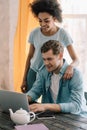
column 61, row 122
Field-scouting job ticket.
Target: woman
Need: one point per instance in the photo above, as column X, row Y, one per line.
column 48, row 12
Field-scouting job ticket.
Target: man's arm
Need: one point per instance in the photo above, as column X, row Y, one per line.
column 44, row 107
column 76, row 95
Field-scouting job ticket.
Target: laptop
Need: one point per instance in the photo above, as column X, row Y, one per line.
column 13, row 100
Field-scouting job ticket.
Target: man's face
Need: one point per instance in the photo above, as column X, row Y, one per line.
column 51, row 61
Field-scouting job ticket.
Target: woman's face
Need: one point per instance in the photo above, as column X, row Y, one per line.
column 47, row 22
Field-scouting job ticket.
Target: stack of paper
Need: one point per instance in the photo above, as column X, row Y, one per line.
column 32, row 127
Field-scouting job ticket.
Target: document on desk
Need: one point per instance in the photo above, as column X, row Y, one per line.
column 31, row 127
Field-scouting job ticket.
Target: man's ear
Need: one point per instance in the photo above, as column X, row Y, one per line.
column 60, row 55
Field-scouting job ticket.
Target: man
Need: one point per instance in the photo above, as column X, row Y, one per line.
column 58, row 95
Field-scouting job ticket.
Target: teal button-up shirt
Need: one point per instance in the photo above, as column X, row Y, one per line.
column 70, row 96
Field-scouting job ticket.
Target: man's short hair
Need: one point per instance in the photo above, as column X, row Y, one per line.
column 53, row 45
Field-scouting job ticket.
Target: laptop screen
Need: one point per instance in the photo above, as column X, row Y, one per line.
column 13, row 100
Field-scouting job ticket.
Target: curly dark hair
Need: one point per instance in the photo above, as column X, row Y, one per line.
column 53, row 45
column 50, row 6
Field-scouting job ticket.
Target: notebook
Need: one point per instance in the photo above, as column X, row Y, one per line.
column 13, row 100
column 40, row 126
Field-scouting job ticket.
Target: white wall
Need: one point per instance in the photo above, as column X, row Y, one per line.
column 8, row 22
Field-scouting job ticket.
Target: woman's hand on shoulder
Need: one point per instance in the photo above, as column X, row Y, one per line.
column 68, row 73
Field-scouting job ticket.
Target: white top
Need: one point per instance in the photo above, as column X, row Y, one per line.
column 55, row 86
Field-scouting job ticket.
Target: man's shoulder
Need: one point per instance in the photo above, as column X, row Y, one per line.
column 77, row 75
column 77, row 71
column 43, row 70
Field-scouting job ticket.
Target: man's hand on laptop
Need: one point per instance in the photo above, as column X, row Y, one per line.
column 38, row 107
column 44, row 107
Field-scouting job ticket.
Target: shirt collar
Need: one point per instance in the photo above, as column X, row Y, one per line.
column 64, row 66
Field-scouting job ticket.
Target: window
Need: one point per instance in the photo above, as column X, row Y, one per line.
column 75, row 22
